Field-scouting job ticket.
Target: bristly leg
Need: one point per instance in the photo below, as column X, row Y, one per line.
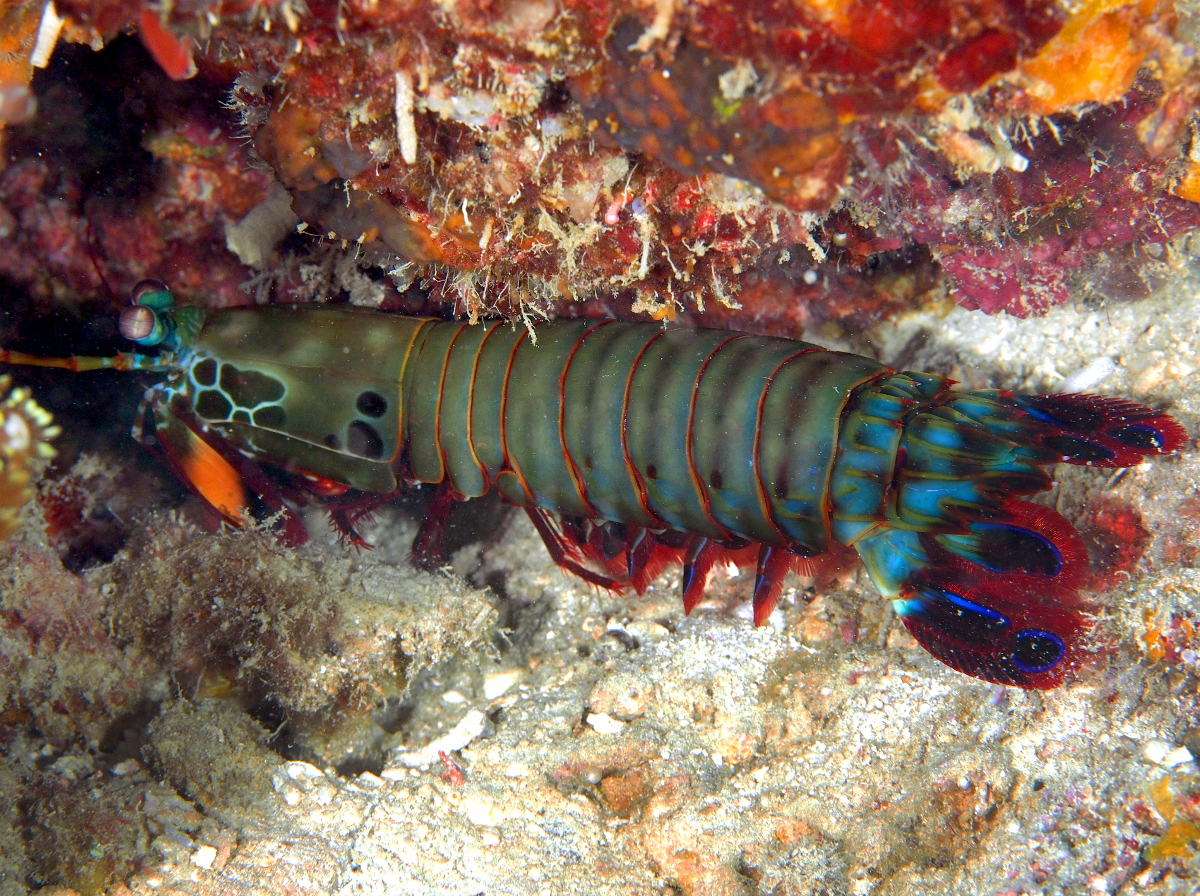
column 634, row 556
column 702, row 554
column 773, row 565
column 428, row 552
column 565, row 551
column 348, row 511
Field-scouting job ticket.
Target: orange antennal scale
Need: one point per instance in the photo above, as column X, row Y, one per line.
column 210, row 474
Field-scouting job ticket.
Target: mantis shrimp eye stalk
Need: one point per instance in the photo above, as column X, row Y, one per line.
column 138, row 324
column 149, row 321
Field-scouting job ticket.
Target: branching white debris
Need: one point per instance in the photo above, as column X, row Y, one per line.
column 406, row 125
column 738, row 81
column 664, row 12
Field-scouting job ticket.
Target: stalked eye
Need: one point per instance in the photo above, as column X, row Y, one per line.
column 1037, row 651
column 137, row 323
column 1077, row 450
column 152, row 294
column 1135, row 435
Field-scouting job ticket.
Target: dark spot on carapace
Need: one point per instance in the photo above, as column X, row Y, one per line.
column 212, row 405
column 716, row 480
column 332, row 441
column 248, row 388
column 651, row 472
column 363, row 439
column 371, row 404
column 240, row 416
column 205, row 372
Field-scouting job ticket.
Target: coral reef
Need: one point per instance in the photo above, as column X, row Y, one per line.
column 835, row 162
column 62, row 674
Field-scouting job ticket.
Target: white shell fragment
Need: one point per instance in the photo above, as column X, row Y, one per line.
column 497, row 684
column 1165, row 753
column 603, row 723
column 1086, row 377
column 459, row 737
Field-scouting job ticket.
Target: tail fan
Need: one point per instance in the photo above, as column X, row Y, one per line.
column 998, row 601
column 986, row 582
column 998, row 635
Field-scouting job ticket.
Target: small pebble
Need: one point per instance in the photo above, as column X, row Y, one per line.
column 121, row 769
column 298, row 771
column 471, row 726
column 498, row 683
column 1165, row 753
column 482, row 811
column 603, row 723
column 204, row 857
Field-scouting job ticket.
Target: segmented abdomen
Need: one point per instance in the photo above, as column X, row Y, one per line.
column 721, row 434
